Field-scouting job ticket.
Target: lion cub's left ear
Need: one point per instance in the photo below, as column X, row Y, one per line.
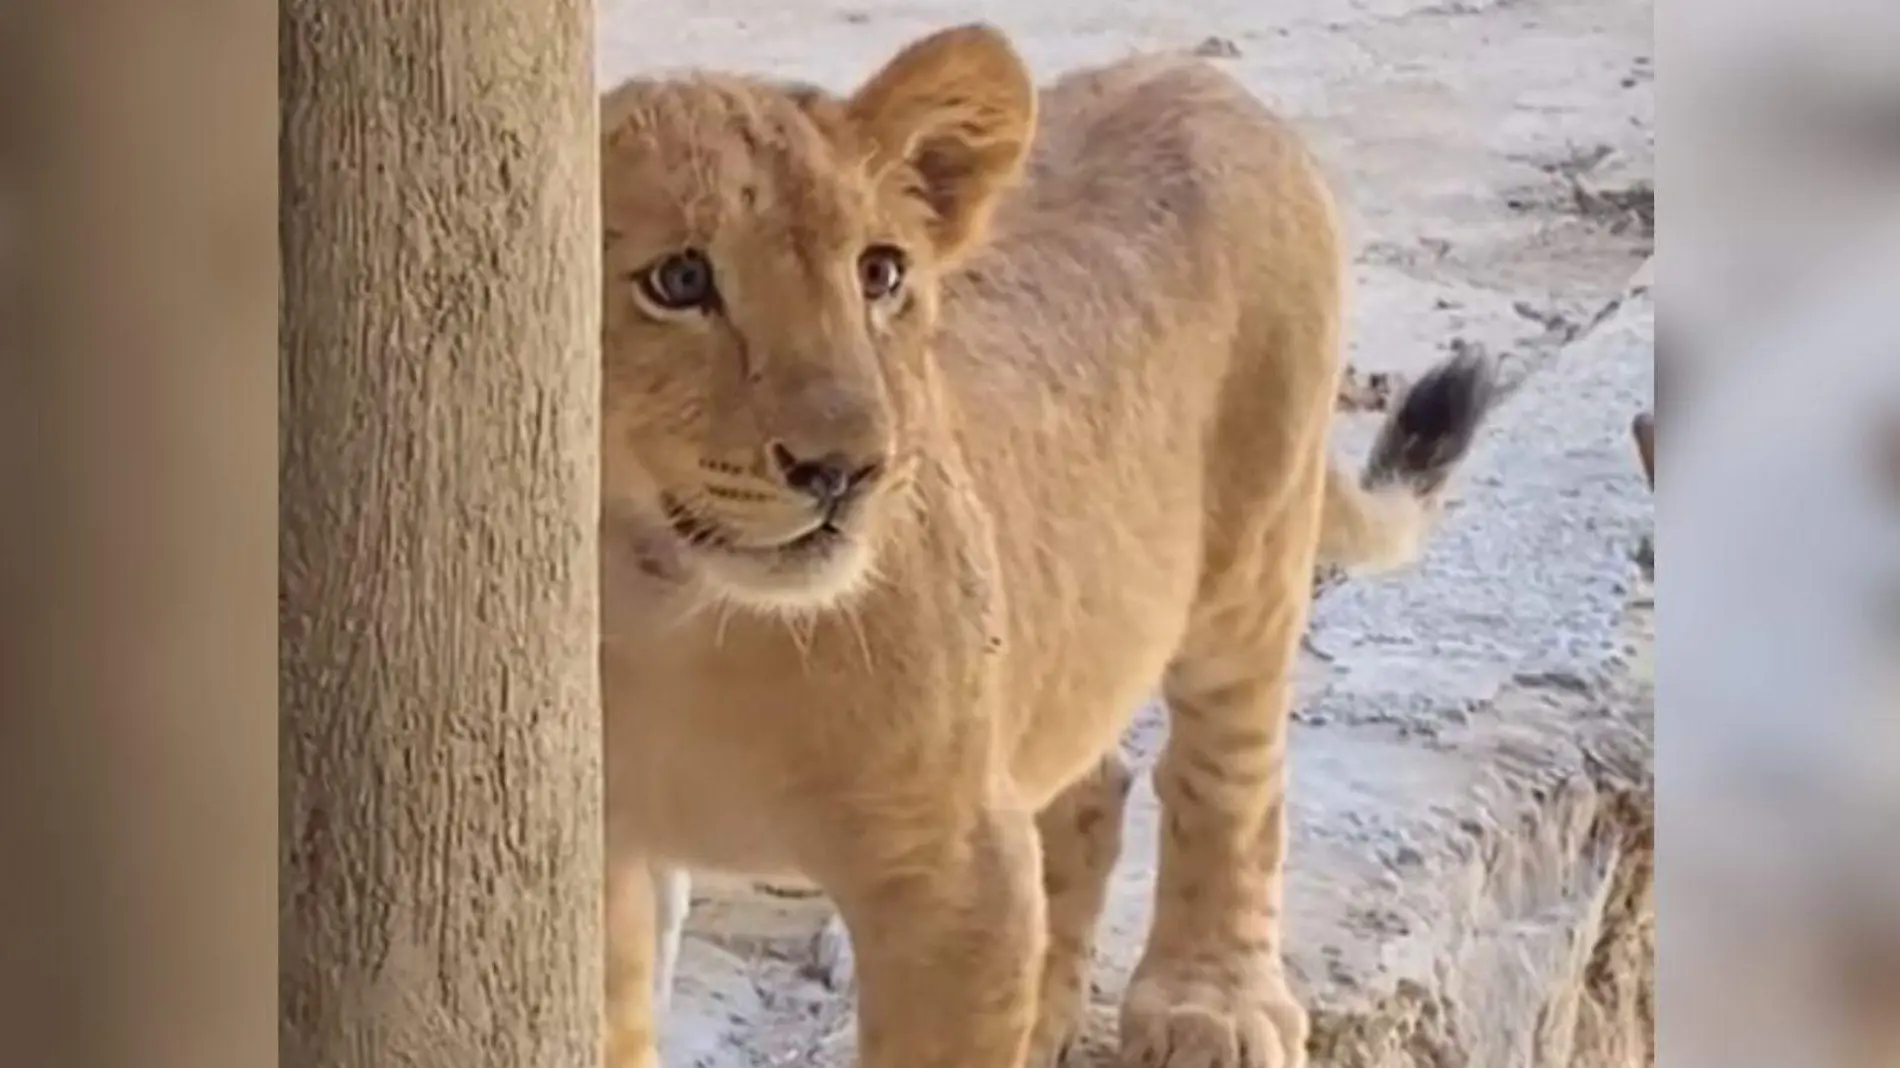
column 959, row 107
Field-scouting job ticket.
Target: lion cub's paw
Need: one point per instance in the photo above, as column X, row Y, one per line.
column 1208, row 1017
column 1054, row 1040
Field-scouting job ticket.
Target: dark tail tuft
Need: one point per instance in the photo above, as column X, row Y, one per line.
column 1432, row 429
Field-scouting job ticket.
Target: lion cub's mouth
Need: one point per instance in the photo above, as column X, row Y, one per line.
column 704, row 533
column 810, row 569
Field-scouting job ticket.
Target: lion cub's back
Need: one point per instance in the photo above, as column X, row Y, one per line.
column 1155, row 139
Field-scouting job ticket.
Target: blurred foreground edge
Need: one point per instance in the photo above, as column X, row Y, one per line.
column 136, row 767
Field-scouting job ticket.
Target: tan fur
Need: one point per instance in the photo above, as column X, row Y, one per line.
column 1369, row 531
column 1096, row 421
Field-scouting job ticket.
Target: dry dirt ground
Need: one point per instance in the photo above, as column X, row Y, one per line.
column 1472, row 801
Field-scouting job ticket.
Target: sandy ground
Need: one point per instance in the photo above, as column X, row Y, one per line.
column 1472, row 793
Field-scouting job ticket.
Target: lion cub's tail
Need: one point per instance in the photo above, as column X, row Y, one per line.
column 1380, row 521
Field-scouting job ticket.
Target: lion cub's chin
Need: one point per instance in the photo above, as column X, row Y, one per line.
column 802, row 578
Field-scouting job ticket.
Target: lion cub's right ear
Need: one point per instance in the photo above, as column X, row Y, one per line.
column 959, row 107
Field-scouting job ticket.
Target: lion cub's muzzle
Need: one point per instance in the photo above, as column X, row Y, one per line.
column 782, row 503
column 785, row 532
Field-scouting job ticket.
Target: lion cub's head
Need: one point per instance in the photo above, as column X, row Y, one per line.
column 772, row 261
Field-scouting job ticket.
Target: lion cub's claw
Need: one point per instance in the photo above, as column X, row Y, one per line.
column 1200, row 1021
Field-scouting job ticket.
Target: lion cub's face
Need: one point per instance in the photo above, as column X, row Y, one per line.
column 772, row 258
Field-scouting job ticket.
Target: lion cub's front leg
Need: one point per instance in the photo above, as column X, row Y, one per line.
column 949, row 935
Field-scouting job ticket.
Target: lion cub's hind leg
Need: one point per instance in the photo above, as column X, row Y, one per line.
column 631, row 965
column 1081, row 840
column 1210, row 990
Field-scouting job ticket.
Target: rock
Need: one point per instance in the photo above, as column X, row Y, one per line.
column 1529, row 916
column 1217, row 48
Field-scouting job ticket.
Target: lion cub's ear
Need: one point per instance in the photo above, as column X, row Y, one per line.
column 959, row 107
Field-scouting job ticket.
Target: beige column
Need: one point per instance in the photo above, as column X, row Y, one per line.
column 440, row 749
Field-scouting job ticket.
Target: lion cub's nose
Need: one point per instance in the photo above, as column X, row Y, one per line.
column 827, row 479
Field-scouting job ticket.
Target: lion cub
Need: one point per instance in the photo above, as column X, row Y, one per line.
column 932, row 444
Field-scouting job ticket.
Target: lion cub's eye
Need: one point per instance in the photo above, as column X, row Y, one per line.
column 881, row 271
column 681, row 282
